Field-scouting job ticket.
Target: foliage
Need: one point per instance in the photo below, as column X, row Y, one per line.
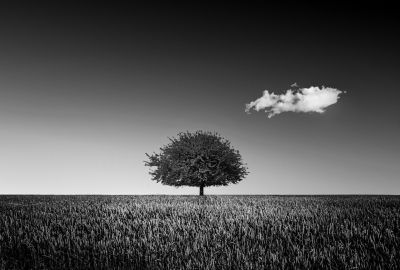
column 186, row 232
column 197, row 159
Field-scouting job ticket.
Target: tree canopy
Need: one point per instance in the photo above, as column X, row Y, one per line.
column 199, row 159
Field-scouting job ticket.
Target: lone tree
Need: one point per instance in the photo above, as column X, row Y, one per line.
column 198, row 159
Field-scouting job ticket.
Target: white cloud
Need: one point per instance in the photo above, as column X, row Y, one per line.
column 312, row 99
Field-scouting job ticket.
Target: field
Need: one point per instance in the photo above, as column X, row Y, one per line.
column 189, row 232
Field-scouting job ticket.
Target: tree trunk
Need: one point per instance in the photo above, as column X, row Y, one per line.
column 201, row 190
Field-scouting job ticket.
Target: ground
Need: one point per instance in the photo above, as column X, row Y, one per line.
column 192, row 232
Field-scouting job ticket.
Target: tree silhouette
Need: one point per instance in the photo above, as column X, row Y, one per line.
column 198, row 159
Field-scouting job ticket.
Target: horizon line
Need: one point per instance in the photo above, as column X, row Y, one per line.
column 160, row 194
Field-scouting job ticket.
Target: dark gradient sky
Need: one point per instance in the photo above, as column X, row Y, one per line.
column 86, row 91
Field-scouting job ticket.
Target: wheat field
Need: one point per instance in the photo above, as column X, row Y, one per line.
column 192, row 232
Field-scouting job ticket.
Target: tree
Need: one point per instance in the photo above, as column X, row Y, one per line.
column 198, row 159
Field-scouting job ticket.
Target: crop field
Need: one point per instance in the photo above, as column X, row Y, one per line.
column 191, row 232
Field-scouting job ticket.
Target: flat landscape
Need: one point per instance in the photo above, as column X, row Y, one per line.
column 193, row 232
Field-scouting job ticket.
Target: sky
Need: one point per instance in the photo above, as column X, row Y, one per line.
column 86, row 91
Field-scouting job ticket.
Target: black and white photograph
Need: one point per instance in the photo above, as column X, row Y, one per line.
column 199, row 135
